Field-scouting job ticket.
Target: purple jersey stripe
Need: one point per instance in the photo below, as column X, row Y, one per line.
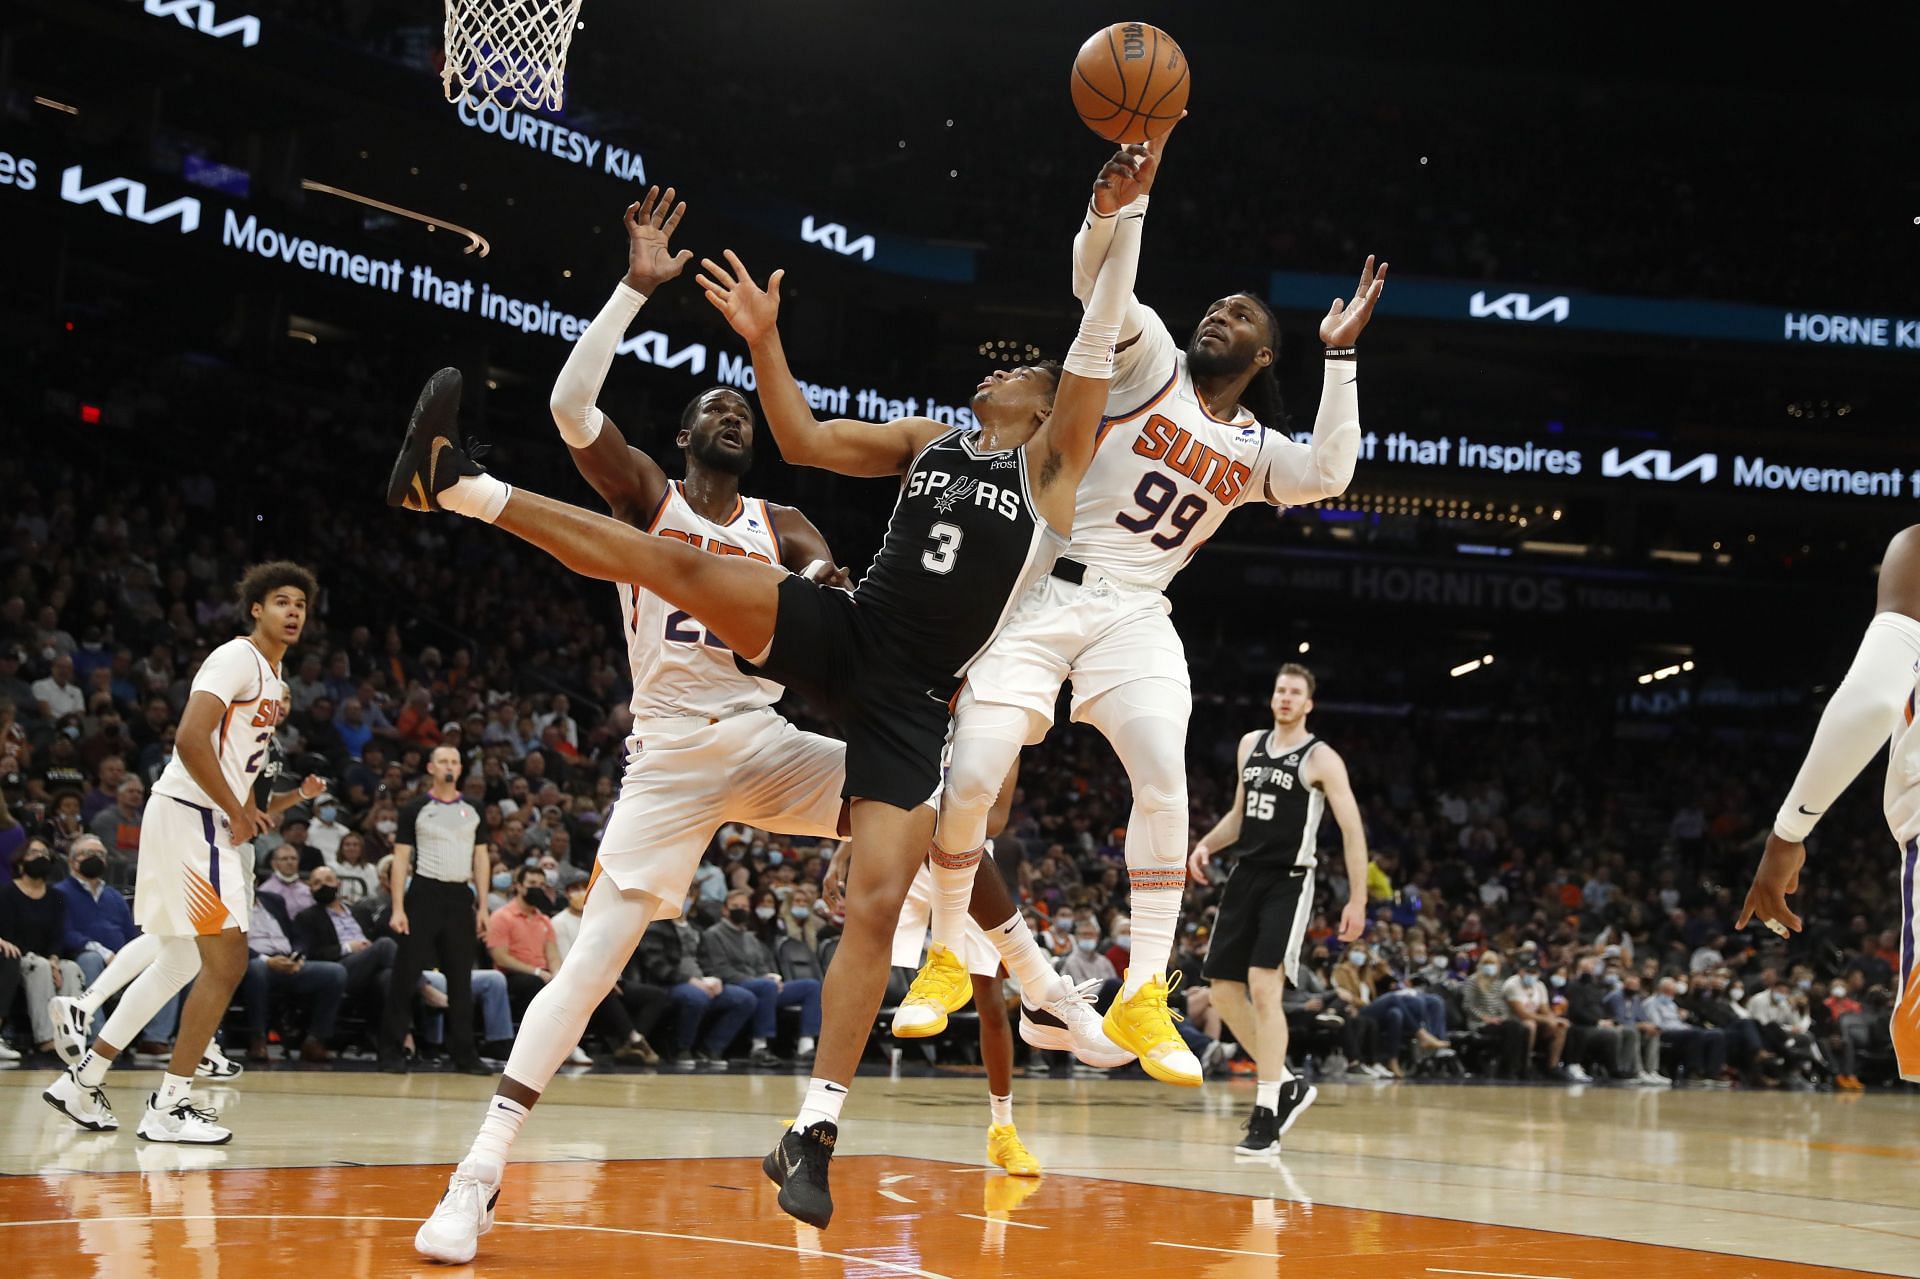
column 1907, row 909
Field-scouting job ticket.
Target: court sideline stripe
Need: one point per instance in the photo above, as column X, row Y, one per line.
column 892, row 1267
column 1194, row 1247
column 1000, row 1221
column 1491, row 1274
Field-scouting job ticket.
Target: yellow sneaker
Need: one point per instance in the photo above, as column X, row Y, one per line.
column 942, row 986
column 1143, row 1026
column 1004, row 1148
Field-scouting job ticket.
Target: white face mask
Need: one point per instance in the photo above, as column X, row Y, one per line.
column 1357, row 958
column 1679, row 988
column 1491, row 970
column 764, row 912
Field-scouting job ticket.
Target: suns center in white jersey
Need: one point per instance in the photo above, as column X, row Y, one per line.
column 679, row 667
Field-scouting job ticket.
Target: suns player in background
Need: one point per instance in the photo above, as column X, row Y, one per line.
column 1189, row 436
column 1874, row 703
column 194, row 880
column 982, row 965
column 707, row 746
column 1287, row 778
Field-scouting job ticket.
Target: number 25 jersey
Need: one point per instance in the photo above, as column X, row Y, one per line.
column 1165, row 471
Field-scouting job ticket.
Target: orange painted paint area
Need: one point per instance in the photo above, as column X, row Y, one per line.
column 696, row 1217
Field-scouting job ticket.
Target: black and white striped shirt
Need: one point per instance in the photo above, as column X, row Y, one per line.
column 442, row 835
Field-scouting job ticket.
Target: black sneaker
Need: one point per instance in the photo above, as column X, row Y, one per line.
column 764, row 1057
column 1263, row 1134
column 798, row 1165
column 392, row 1064
column 1295, row 1096
column 432, row 455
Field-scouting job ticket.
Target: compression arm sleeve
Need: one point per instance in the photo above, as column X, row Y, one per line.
column 578, row 385
column 1090, row 248
column 1859, row 719
column 1091, row 354
column 1323, row 467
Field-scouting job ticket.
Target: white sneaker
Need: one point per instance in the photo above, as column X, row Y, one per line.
column 69, row 1028
column 184, row 1123
column 1579, row 1074
column 215, row 1064
column 1652, row 1079
column 464, row 1213
column 578, row 1057
column 8, row 1052
column 1067, row 1022
column 84, row 1105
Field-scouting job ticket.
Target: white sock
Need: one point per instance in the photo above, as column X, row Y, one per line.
column 128, row 963
column 497, row 1131
column 481, row 496
column 92, row 1069
column 1284, row 1073
column 952, row 891
column 804, row 1046
column 1001, row 1109
column 1024, row 958
column 1267, row 1093
column 758, row 1043
column 174, row 1089
column 1156, row 914
column 822, row 1104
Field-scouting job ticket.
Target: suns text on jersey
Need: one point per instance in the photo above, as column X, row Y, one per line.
column 1174, row 447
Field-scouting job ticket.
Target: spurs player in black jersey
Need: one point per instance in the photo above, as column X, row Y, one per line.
column 1288, row 778
column 980, row 515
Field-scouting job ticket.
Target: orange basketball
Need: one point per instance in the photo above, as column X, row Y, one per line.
column 1130, row 82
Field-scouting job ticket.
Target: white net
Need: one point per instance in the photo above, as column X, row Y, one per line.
column 513, row 52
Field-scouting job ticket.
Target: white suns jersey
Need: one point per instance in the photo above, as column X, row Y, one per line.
column 678, row 667
column 257, row 700
column 1903, row 776
column 1165, row 471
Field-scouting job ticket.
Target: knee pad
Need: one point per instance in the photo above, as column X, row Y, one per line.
column 178, row 958
column 1153, row 800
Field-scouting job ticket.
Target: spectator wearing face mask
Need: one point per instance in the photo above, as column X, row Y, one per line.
column 359, row 881
column 1529, row 1004
column 1120, row 944
column 1059, row 936
column 1787, row 1031
column 731, row 951
column 1593, row 1035
column 670, row 958
column 1086, row 963
column 1490, row 1017
column 521, row 939
column 1627, row 1006
column 629, row 1012
column 96, row 912
column 36, row 947
column 1850, row 1032
column 1702, row 1053
column 327, row 831
column 276, row 971
column 329, row 930
column 284, row 884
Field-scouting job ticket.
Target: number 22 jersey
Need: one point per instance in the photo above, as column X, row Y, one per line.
column 256, row 699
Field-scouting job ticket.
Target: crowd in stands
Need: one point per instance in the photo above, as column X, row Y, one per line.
column 1550, row 896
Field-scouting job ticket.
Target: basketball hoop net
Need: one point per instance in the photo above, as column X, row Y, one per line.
column 512, row 52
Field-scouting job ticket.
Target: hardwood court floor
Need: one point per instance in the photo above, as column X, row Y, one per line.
column 330, row 1172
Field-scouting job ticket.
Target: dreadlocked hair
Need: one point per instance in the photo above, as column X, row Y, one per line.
column 1262, row 396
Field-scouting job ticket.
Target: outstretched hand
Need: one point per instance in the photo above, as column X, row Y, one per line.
column 750, row 309
column 1130, row 172
column 651, row 261
column 1345, row 320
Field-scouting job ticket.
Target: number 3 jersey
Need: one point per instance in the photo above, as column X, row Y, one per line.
column 1165, row 471
column 256, row 699
column 963, row 545
column 679, row 668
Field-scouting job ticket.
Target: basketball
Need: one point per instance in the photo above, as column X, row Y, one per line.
column 1130, row 82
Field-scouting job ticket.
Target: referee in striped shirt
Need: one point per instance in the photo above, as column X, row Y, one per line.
column 440, row 914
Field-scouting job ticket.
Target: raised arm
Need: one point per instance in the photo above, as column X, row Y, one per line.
column 1294, row 474
column 802, row 546
column 631, row 482
column 844, row 445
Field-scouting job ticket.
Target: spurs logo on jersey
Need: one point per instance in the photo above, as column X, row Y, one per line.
column 257, row 701
column 679, row 668
column 1280, row 824
column 1166, row 471
column 950, row 518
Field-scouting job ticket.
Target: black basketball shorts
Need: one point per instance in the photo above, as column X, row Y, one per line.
column 893, row 715
column 1263, row 917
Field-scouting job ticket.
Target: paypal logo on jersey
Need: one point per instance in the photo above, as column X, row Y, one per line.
column 949, row 491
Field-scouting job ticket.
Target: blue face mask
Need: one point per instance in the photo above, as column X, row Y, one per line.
column 326, row 814
column 775, row 858
column 802, row 911
column 503, row 881
column 1087, row 943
